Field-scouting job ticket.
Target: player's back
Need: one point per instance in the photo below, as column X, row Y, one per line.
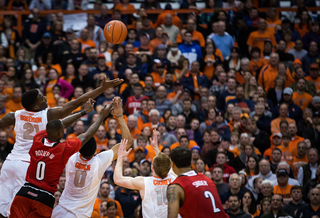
column 27, row 124
column 155, row 202
column 83, row 180
column 201, row 198
column 48, row 159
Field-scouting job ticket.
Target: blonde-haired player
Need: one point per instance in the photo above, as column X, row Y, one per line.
column 153, row 188
column 84, row 172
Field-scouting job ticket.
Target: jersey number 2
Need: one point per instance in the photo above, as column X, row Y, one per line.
column 162, row 195
column 208, row 194
column 29, row 129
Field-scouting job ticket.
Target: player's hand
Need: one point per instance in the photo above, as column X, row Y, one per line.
column 105, row 111
column 117, row 107
column 122, row 153
column 105, row 84
column 89, row 105
column 154, row 142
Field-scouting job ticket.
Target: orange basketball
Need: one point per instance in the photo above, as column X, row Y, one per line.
column 115, row 32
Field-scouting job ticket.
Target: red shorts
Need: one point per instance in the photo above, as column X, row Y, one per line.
column 32, row 202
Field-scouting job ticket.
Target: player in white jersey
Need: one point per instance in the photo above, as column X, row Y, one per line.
column 152, row 189
column 27, row 123
column 84, row 172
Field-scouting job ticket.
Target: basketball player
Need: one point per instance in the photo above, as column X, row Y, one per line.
column 196, row 193
column 27, row 123
column 84, row 172
column 48, row 157
column 153, row 188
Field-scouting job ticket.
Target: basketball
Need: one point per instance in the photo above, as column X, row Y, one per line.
column 115, row 32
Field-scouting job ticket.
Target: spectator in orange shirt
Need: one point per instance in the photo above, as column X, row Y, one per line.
column 159, row 74
column 125, row 6
column 145, row 45
column 132, row 125
column 304, row 25
column 287, row 152
column 196, row 35
column 300, row 97
column 314, row 76
column 283, row 188
column 257, row 38
column 14, row 103
column 102, row 141
column 85, row 41
column 256, row 61
column 272, row 20
column 300, row 159
column 78, row 129
column 310, row 87
column 295, row 139
column 154, row 43
column 283, row 112
column 175, row 95
column 168, row 10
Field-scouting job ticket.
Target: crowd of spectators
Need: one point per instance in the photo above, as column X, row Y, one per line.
column 238, row 87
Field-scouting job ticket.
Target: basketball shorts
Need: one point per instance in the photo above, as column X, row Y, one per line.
column 60, row 211
column 12, row 177
column 32, row 202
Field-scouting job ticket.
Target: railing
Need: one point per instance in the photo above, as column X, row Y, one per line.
column 19, row 14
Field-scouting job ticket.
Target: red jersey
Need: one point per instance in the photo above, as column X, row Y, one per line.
column 48, row 159
column 198, row 186
column 133, row 105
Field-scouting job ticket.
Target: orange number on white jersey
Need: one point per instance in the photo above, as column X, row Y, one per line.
column 29, row 129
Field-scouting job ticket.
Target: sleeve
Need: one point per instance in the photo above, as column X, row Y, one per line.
column 250, row 40
column 71, row 146
column 105, row 159
column 300, row 176
column 119, row 209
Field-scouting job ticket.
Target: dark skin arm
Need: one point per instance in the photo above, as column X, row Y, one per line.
column 84, row 138
column 65, row 110
column 175, row 196
column 88, row 107
column 7, row 120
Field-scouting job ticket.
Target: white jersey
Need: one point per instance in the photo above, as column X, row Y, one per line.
column 27, row 124
column 155, row 203
column 83, row 179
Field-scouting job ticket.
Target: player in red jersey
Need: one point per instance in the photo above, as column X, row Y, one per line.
column 48, row 159
column 192, row 194
column 133, row 103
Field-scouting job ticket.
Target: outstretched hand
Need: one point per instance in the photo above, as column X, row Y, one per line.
column 117, row 107
column 89, row 105
column 105, row 111
column 105, row 84
column 154, row 142
column 122, row 153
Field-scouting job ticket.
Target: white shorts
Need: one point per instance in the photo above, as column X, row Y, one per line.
column 60, row 211
column 12, row 177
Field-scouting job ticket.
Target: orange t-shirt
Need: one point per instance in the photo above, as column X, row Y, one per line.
column 294, row 143
column 175, row 19
column 316, row 81
column 71, row 136
column 303, row 30
column 172, row 95
column 290, row 46
column 257, row 39
column 191, row 144
column 196, row 36
column 284, row 192
column 254, row 66
column 14, row 105
column 69, row 80
column 86, row 44
column 297, row 163
column 209, row 69
column 122, row 7
column 287, row 153
column 302, row 100
column 151, row 154
column 275, row 124
column 98, row 201
column 101, row 145
column 272, row 24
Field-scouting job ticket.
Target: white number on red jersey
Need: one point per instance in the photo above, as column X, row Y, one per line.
column 208, row 194
column 41, row 166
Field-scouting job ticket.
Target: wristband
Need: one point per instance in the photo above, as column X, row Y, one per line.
column 119, row 116
column 83, row 112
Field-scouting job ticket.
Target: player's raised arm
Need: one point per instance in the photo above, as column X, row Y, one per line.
column 88, row 107
column 154, row 142
column 125, row 132
column 84, row 137
column 174, row 194
column 126, row 181
column 66, row 110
